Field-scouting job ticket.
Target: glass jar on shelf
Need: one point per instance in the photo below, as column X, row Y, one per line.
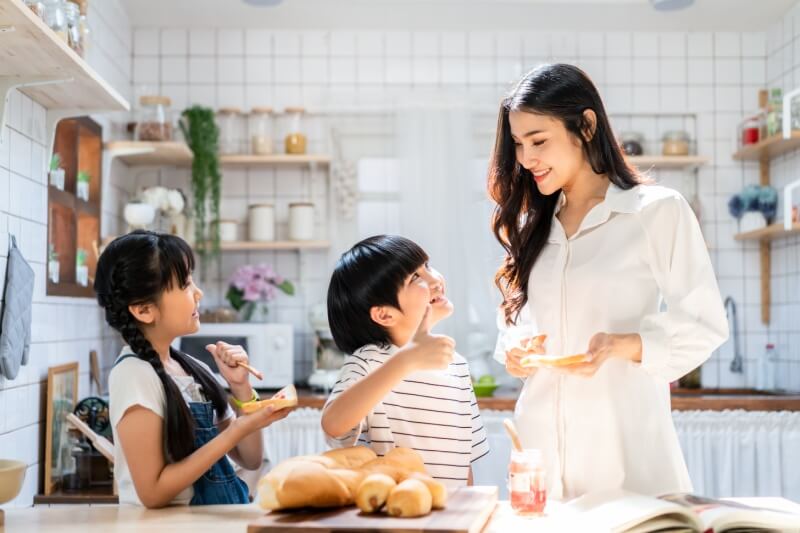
column 260, row 130
column 675, row 143
column 37, row 6
column 55, row 17
column 632, row 142
column 85, row 29
column 751, row 130
column 231, row 131
column 73, row 16
column 775, row 112
column 155, row 119
column 295, row 138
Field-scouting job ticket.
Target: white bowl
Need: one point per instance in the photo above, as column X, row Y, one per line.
column 139, row 215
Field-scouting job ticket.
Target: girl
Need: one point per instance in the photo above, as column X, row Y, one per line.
column 591, row 254
column 171, row 422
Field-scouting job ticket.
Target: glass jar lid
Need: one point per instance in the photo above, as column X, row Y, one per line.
column 154, row 99
column 676, row 135
column 229, row 111
column 261, row 110
column 295, row 110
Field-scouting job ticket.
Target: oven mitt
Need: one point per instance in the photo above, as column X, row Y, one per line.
column 15, row 320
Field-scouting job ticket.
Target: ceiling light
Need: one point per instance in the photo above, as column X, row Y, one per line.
column 671, row 5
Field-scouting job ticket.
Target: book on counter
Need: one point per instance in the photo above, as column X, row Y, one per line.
column 619, row 511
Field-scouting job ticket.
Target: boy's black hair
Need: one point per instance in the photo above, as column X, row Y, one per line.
column 369, row 274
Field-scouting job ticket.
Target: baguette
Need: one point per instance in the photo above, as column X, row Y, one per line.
column 354, row 457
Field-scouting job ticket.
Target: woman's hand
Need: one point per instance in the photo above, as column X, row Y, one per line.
column 228, row 357
column 603, row 346
column 526, row 347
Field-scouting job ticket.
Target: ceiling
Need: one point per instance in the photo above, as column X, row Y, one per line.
column 582, row 15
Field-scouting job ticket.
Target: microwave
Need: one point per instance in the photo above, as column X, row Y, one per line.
column 270, row 348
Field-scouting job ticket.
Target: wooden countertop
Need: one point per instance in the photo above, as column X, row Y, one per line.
column 217, row 518
column 682, row 400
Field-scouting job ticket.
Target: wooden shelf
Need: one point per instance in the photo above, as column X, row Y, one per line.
column 139, row 153
column 274, row 160
column 56, row 77
column 770, row 233
column 768, row 148
column 667, row 161
column 243, row 246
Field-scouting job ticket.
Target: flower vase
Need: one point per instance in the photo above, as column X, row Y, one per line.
column 255, row 312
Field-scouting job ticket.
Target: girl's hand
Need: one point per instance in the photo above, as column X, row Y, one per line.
column 526, row 347
column 246, row 424
column 227, row 357
column 603, row 346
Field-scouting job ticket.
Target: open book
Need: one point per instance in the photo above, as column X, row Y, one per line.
column 619, row 511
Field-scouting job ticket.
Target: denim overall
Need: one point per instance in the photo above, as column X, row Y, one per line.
column 219, row 485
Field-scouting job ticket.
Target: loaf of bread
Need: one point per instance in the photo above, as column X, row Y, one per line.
column 353, row 475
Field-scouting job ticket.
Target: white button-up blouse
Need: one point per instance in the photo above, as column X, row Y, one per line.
column 637, row 264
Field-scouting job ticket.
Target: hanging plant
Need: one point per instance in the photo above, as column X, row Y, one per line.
column 202, row 135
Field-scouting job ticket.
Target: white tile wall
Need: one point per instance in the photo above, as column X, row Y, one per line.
column 64, row 329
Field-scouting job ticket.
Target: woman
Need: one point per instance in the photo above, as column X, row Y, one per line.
column 592, row 252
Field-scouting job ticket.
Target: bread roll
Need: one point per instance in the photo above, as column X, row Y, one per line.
column 353, row 457
column 373, row 492
column 381, row 465
column 437, row 489
column 409, row 499
column 352, row 480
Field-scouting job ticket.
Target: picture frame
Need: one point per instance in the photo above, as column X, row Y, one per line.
column 62, row 396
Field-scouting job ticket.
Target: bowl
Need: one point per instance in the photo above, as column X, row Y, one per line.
column 139, row 215
column 484, row 390
column 12, row 474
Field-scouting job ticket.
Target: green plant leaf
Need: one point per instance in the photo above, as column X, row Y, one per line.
column 287, row 287
column 202, row 135
column 235, row 297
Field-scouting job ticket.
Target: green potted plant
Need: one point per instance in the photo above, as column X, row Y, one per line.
column 81, row 268
column 53, row 266
column 202, row 135
column 56, row 172
column 83, row 185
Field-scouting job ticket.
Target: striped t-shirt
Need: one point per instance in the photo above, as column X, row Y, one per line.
column 433, row 412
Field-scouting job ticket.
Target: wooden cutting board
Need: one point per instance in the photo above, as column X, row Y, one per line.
column 468, row 510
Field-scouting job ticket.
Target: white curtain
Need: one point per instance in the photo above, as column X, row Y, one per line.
column 444, row 208
column 300, row 433
column 741, row 453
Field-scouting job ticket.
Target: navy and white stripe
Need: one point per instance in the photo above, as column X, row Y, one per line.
column 435, row 413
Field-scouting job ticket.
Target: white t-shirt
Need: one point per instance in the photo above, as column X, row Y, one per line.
column 434, row 412
column 134, row 382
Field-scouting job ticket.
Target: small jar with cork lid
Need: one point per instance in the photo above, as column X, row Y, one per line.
column 295, row 138
column 155, row 119
column 260, row 130
column 231, row 130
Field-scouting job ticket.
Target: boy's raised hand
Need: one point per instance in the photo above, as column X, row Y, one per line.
column 426, row 351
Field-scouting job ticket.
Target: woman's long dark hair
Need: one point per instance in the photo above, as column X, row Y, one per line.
column 136, row 269
column 523, row 216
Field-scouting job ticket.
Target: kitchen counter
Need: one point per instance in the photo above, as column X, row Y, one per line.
column 234, row 518
column 504, row 399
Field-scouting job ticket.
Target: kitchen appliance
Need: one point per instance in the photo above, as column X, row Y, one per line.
column 328, row 359
column 270, row 348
